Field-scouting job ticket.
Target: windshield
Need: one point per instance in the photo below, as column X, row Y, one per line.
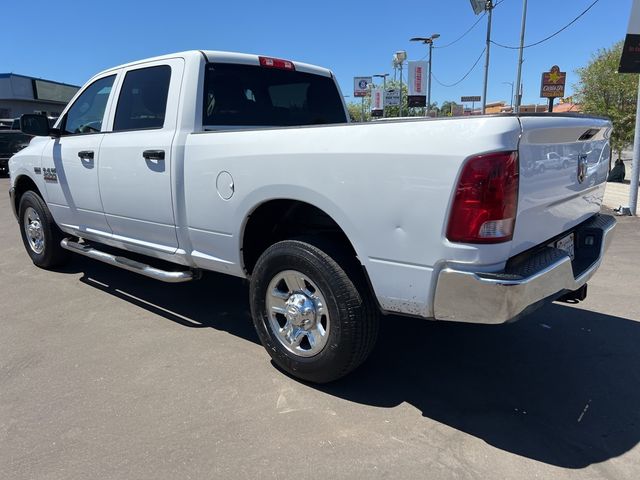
column 246, row 95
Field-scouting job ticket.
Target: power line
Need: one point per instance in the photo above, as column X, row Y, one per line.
column 465, row 75
column 464, row 34
column 468, row 30
column 550, row 36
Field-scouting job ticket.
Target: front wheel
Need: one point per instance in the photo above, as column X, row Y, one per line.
column 317, row 322
column 40, row 234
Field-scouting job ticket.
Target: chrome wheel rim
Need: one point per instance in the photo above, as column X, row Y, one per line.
column 297, row 313
column 33, row 230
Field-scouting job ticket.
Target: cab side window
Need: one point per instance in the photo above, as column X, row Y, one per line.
column 87, row 112
column 143, row 99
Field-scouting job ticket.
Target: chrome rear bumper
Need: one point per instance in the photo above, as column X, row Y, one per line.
column 542, row 276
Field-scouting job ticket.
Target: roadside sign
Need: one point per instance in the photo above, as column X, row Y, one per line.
column 553, row 83
column 392, row 97
column 361, row 86
column 472, row 99
column 630, row 60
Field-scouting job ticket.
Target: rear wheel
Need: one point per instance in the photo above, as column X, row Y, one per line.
column 40, row 234
column 317, row 322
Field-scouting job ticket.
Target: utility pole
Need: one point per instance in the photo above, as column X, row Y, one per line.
column 635, row 166
column 629, row 64
column 519, row 76
column 489, row 9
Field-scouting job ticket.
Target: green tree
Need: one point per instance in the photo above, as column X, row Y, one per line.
column 445, row 109
column 604, row 91
column 355, row 110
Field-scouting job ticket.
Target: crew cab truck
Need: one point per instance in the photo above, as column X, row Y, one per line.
column 247, row 165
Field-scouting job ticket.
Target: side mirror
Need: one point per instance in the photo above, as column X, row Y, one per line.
column 37, row 125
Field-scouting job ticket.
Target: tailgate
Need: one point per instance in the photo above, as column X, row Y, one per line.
column 564, row 162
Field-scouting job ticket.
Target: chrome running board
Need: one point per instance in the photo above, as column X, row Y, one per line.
column 128, row 264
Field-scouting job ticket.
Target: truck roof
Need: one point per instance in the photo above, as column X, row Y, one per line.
column 225, row 57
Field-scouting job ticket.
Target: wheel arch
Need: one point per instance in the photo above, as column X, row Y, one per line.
column 23, row 183
column 283, row 218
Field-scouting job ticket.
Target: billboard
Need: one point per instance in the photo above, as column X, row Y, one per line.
column 553, row 83
column 361, row 86
column 471, row 98
column 630, row 59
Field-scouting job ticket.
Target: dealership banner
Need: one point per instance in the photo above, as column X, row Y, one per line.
column 377, row 99
column 418, row 78
column 630, row 60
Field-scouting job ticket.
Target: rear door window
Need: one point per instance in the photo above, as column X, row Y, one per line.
column 247, row 95
column 143, row 99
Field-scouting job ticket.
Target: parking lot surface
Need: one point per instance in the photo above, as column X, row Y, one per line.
column 108, row 375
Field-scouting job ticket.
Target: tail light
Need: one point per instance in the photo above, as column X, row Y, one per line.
column 276, row 63
column 485, row 202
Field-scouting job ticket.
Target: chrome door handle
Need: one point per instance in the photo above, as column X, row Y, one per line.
column 85, row 155
column 153, row 154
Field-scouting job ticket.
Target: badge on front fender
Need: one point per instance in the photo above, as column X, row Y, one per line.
column 49, row 174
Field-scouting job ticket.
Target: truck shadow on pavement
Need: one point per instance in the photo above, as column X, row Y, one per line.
column 561, row 386
column 216, row 301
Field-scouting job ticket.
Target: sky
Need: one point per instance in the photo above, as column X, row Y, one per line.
column 69, row 41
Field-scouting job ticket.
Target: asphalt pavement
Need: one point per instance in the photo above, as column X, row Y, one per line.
column 108, row 375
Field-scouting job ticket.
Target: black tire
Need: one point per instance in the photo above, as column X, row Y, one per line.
column 353, row 315
column 52, row 254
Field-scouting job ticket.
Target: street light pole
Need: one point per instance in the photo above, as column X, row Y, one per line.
column 400, row 66
column 519, row 76
column 400, row 57
column 489, row 8
column 429, row 78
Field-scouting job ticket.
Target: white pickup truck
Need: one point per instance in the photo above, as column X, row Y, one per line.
column 247, row 165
